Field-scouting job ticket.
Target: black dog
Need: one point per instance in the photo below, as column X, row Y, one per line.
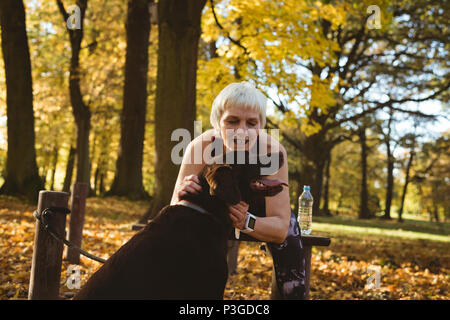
column 181, row 254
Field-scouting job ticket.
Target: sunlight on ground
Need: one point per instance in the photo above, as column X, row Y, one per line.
column 412, row 264
column 343, row 229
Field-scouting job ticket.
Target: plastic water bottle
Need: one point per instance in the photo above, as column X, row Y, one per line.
column 305, row 205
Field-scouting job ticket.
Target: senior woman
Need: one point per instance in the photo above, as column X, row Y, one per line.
column 240, row 106
column 238, row 112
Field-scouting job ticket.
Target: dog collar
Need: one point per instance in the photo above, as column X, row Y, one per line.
column 192, row 206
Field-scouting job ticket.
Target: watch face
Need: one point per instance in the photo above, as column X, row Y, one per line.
column 251, row 223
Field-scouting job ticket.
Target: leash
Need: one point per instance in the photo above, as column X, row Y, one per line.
column 43, row 218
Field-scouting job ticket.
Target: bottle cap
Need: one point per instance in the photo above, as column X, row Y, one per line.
column 306, row 188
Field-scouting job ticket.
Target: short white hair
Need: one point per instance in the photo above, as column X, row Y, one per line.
column 239, row 94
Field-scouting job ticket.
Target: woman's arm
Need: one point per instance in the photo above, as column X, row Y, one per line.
column 274, row 227
column 187, row 179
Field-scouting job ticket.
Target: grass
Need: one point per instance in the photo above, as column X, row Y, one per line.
column 409, row 229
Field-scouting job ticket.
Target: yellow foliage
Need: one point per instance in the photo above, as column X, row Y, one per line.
column 321, row 94
column 277, row 36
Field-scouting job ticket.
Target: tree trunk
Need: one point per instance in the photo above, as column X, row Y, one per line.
column 316, row 151
column 435, row 212
column 325, row 208
column 83, row 161
column 390, row 185
column 364, row 196
column 54, row 164
column 98, row 171
column 80, row 110
column 390, row 170
column 179, row 32
column 405, row 186
column 101, row 187
column 22, row 176
column 96, row 179
column 297, row 177
column 128, row 178
column 312, row 166
column 69, row 170
column 92, row 153
column 43, row 177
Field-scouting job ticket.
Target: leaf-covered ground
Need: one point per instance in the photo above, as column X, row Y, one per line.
column 410, row 267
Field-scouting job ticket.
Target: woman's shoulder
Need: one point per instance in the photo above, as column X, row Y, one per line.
column 207, row 135
column 195, row 149
column 203, row 139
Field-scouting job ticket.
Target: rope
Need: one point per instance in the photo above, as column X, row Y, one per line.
column 43, row 218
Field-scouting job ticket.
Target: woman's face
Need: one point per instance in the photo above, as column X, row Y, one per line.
column 239, row 128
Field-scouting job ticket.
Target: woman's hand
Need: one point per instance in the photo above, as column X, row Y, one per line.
column 238, row 214
column 190, row 184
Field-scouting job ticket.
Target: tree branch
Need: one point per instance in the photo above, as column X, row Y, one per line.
column 62, row 10
column 293, row 142
column 227, row 34
column 390, row 103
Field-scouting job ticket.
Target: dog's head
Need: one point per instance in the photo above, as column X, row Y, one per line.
column 241, row 177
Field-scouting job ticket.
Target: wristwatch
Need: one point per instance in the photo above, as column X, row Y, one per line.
column 249, row 223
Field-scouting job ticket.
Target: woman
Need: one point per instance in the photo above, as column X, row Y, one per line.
column 238, row 112
column 240, row 109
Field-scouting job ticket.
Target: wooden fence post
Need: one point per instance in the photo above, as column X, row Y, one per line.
column 77, row 207
column 47, row 251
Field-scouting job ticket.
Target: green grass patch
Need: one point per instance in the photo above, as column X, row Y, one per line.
column 409, row 229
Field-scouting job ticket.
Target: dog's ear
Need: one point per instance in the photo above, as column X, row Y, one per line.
column 271, row 163
column 222, row 184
